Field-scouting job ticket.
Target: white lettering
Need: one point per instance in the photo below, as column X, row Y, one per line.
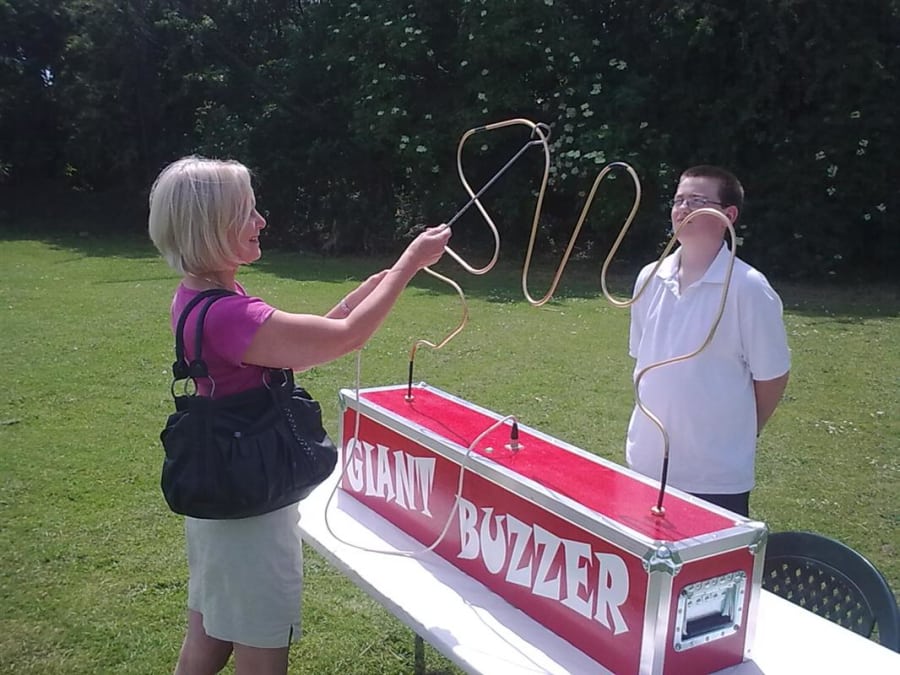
column 355, row 466
column 612, row 590
column 424, row 471
column 397, row 477
column 384, row 488
column 406, row 472
column 578, row 561
column 564, row 566
column 370, row 469
column 519, row 570
column 592, row 584
column 544, row 584
column 493, row 548
column 468, row 538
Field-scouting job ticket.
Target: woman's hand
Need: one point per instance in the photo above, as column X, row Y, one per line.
column 301, row 341
column 427, row 248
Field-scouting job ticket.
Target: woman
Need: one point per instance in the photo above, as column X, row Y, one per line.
column 246, row 575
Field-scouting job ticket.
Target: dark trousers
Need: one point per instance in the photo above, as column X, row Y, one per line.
column 739, row 503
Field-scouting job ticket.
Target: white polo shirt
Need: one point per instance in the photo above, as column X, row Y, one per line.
column 706, row 403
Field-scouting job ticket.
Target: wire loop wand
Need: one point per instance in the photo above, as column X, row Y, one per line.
column 542, row 131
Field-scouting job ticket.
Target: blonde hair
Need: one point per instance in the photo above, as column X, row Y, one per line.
column 195, row 205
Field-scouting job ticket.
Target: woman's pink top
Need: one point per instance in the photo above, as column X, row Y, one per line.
column 230, row 325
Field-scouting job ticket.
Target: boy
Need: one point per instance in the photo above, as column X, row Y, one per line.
column 713, row 405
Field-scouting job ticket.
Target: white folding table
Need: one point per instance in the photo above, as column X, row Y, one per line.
column 482, row 633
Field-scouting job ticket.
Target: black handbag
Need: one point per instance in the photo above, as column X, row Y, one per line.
column 240, row 455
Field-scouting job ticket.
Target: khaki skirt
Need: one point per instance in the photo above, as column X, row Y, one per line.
column 246, row 577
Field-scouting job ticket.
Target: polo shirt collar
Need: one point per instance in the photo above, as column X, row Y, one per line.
column 716, row 273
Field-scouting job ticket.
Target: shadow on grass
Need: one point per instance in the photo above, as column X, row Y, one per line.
column 852, row 304
column 85, row 245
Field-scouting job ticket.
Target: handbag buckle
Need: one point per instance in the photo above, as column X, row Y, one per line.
column 267, row 378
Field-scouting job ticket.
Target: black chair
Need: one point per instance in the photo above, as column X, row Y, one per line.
column 834, row 581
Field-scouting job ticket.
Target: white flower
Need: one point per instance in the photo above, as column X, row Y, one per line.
column 421, row 149
column 820, row 155
column 881, row 207
column 854, row 115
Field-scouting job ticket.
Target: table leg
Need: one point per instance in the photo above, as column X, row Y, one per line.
column 419, row 656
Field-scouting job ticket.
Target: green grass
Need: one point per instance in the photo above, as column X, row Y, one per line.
column 93, row 576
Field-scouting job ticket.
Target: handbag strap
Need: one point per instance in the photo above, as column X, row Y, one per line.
column 196, row 367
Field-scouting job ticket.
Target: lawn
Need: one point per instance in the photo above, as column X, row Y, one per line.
column 93, row 576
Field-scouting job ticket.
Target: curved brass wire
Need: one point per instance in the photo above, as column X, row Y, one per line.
column 456, row 331
column 658, row 510
column 612, row 252
column 588, row 202
column 543, row 133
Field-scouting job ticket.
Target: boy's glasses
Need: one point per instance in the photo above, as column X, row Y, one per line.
column 694, row 202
